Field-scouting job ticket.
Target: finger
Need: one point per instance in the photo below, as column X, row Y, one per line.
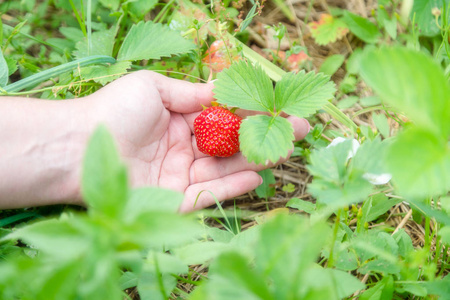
column 179, row 95
column 210, row 168
column 301, row 127
column 223, row 188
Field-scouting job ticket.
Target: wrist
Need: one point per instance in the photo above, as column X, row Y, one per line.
column 43, row 151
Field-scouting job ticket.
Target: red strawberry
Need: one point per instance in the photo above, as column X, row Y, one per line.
column 216, row 132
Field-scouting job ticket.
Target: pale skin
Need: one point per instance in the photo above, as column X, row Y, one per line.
column 149, row 115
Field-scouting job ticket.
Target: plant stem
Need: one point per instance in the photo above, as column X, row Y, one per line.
column 89, row 26
column 161, row 15
column 443, row 261
column 427, row 230
column 79, row 19
column 337, row 221
column 199, row 63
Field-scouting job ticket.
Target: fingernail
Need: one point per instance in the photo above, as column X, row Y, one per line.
column 260, row 180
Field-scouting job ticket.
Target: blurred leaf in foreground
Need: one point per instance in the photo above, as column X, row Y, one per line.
column 411, row 81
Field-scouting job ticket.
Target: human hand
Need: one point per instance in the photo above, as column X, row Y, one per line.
column 151, row 117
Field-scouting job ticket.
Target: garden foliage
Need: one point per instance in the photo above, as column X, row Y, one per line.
column 336, row 247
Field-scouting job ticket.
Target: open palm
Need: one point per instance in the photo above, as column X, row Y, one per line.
column 151, row 117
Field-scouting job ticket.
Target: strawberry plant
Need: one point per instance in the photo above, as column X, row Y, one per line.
column 269, row 137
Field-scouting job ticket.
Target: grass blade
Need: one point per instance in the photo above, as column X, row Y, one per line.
column 35, row 79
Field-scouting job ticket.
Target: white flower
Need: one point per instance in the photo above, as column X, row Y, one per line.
column 377, row 179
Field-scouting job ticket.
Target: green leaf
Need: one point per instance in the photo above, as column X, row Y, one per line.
column 3, row 70
column 266, row 189
column 328, row 29
column 245, row 86
column 410, row 81
column 383, row 290
column 219, row 235
column 263, row 138
column 287, row 249
column 390, row 25
column 416, row 288
column 248, row 19
column 142, row 7
column 128, row 280
column 425, row 209
column 444, row 233
column 72, row 33
column 353, row 191
column 404, row 242
column 425, row 20
column 379, row 266
column 335, row 183
column 381, row 123
column 346, row 260
column 275, row 73
column 380, row 205
column 353, row 61
column 150, row 199
column 156, row 281
column 148, row 40
column 370, row 101
column 60, row 239
column 102, row 44
column 104, row 180
column 18, row 217
column 111, row 4
column 330, row 163
column 362, row 28
column 425, row 171
column 378, row 245
column 332, row 64
column 12, row 65
column 160, row 228
column 345, row 284
column 105, row 74
column 231, row 277
column 347, row 102
column 371, row 156
column 445, row 204
column 384, row 20
column 288, row 188
column 300, row 204
column 303, row 93
column 200, row 252
column 440, row 288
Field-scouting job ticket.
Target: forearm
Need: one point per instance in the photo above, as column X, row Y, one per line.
column 42, row 146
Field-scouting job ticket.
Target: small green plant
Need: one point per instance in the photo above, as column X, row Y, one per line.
column 267, row 138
